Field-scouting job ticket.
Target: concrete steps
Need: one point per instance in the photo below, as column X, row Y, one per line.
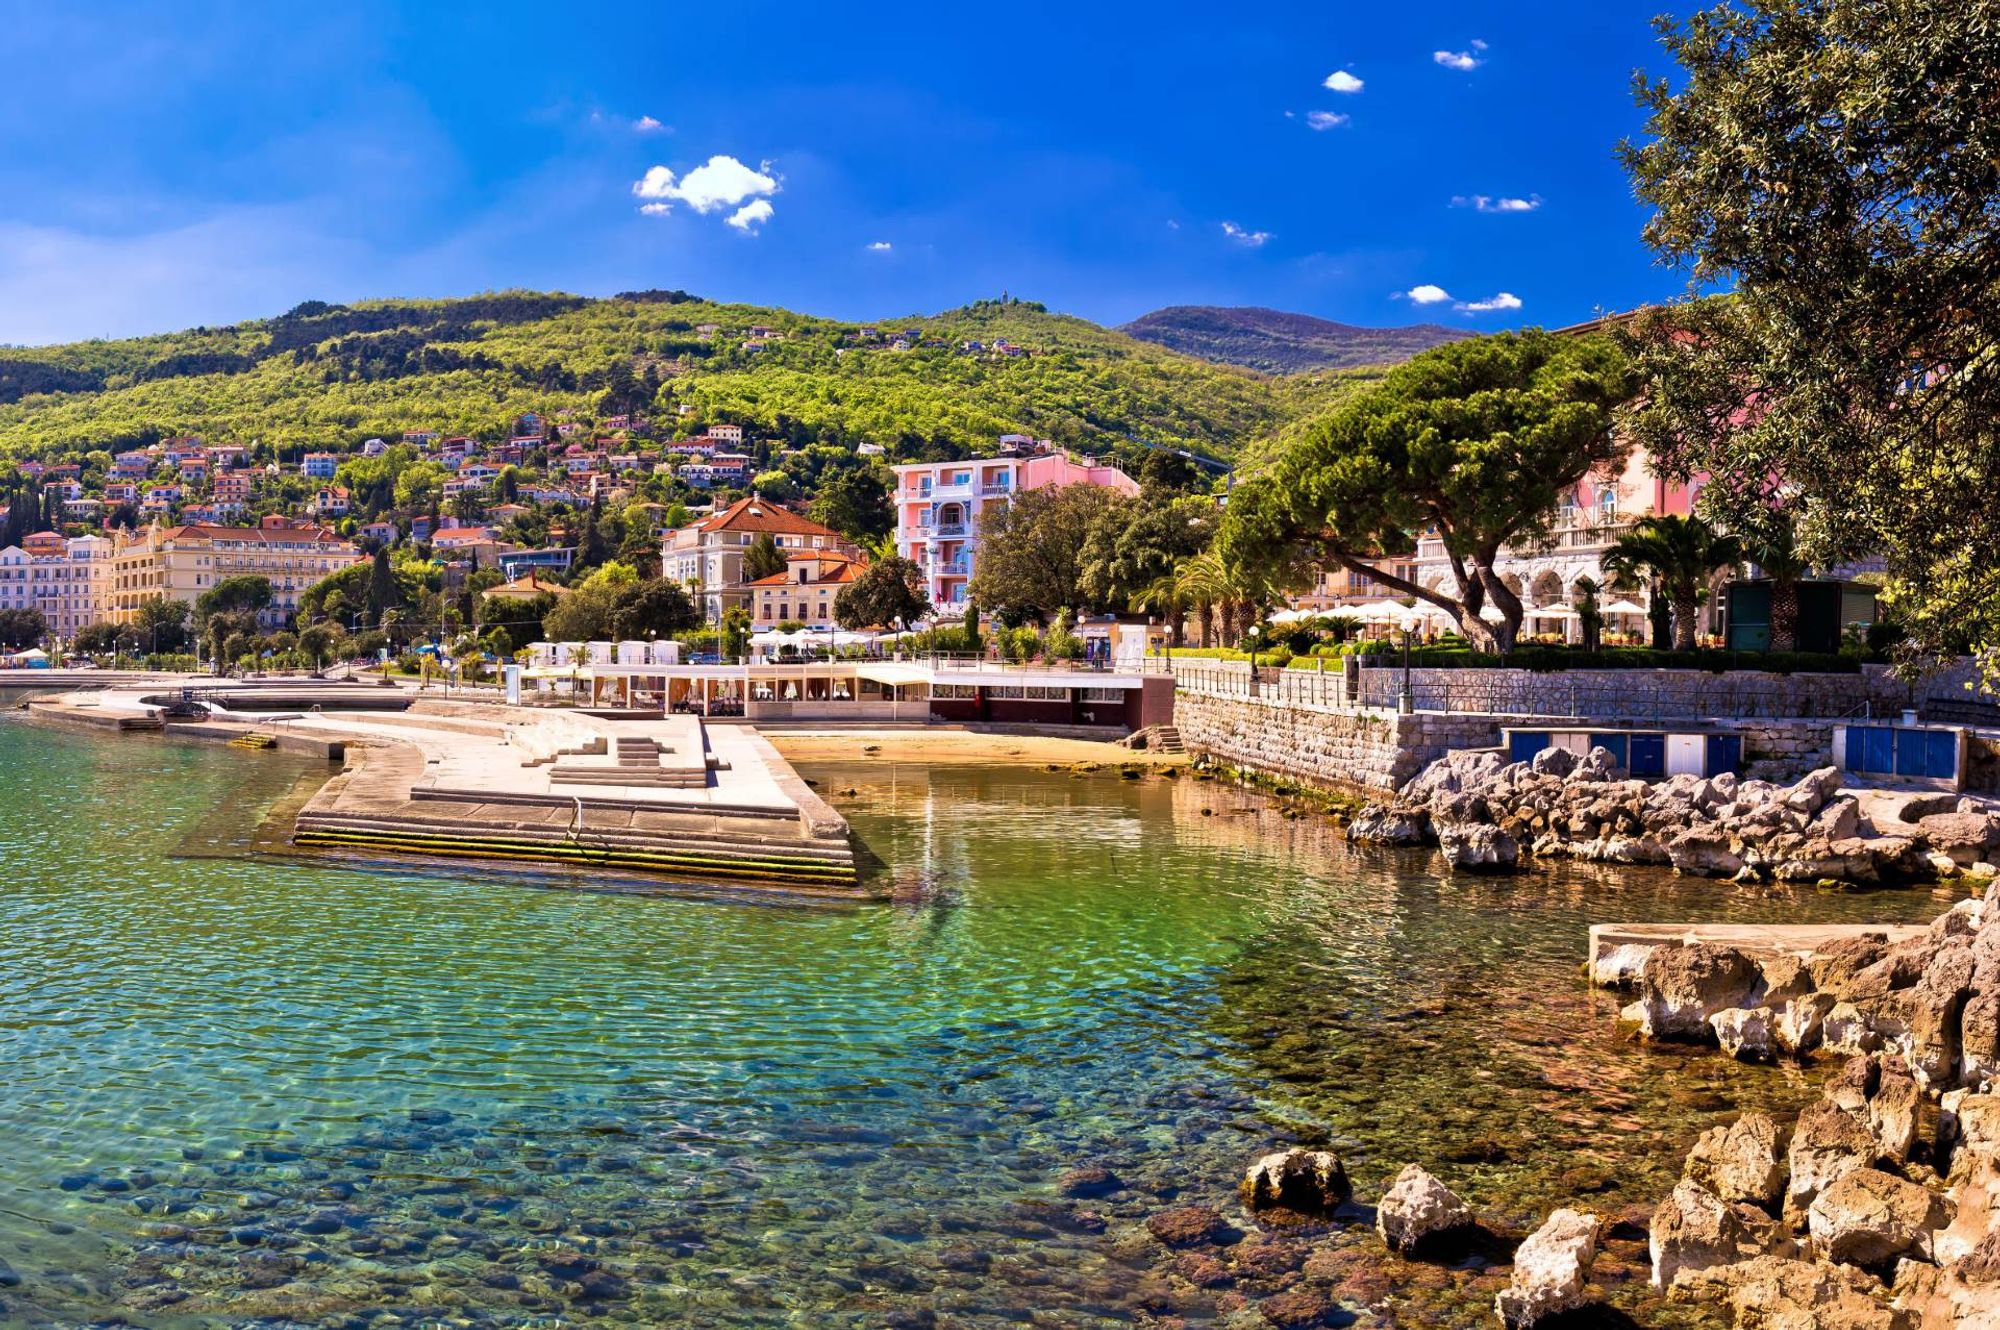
column 767, row 859
column 635, row 760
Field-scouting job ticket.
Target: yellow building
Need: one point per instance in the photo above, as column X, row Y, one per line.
column 182, row 562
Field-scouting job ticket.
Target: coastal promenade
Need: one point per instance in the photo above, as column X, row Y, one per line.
column 632, row 802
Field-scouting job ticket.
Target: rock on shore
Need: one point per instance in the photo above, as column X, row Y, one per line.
column 1485, row 814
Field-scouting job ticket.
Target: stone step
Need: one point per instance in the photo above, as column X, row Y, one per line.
column 707, row 842
column 677, row 860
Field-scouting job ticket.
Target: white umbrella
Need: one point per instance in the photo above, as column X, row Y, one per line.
column 1551, row 612
column 1622, row 607
column 1294, row 616
column 1383, row 611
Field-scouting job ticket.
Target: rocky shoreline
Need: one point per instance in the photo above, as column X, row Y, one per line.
column 1882, row 1210
column 1484, row 813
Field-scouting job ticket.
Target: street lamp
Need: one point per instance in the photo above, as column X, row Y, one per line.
column 1408, row 701
column 1250, row 638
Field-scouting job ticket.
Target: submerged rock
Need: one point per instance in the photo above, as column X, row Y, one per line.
column 1418, row 1210
column 1309, row 1182
column 1551, row 1270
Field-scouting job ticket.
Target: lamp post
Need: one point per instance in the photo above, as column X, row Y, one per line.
column 1250, row 639
column 1408, row 702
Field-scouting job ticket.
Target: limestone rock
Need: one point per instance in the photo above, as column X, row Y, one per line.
column 1893, row 1110
column 1477, row 847
column 1869, row 1218
column 1380, row 825
column 1810, row 794
column 1801, row 1023
column 1740, row 1162
column 1847, row 1029
column 1784, row 977
column 1834, row 966
column 1620, row 966
column 1704, row 852
column 1780, row 1293
column 1966, row 837
column 1937, row 1006
column 1551, row 1269
column 1696, row 1230
column 1553, row 762
column 1418, row 1210
column 1746, row 1033
column 1682, row 987
column 1828, row 1143
column 1976, row 1212
column 1310, row 1182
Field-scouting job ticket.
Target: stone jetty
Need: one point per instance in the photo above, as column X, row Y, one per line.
column 629, row 801
column 1485, row 813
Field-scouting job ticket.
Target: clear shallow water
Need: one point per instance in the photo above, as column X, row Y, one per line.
column 252, row 1091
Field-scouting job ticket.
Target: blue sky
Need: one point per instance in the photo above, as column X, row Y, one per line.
column 165, row 167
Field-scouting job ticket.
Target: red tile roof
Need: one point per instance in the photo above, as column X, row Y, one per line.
column 758, row 515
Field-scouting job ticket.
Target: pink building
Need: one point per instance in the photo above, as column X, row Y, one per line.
column 939, row 505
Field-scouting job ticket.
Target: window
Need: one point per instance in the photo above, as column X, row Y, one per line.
column 1104, row 694
column 1007, row 690
column 954, row 691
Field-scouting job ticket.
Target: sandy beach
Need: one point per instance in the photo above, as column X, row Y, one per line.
column 940, row 745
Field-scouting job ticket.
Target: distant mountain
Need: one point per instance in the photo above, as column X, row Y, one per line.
column 1280, row 343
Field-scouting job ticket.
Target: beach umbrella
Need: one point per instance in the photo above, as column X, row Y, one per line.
column 1622, row 607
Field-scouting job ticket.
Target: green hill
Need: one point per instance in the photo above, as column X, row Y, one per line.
column 1281, row 343
column 331, row 376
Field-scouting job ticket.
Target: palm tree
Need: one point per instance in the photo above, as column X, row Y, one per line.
column 1677, row 556
column 1775, row 551
column 1164, row 596
column 1204, row 583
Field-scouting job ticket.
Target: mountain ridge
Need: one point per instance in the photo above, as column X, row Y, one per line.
column 1276, row 341
column 334, row 374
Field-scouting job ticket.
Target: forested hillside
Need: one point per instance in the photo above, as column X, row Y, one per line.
column 1280, row 343
column 331, row 376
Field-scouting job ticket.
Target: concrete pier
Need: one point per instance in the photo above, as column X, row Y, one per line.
column 427, row 778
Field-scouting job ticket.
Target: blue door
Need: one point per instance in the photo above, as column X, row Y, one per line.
column 1613, row 744
column 1725, row 753
column 1522, row 747
column 1649, row 755
column 1943, row 754
column 1912, row 753
column 1878, row 748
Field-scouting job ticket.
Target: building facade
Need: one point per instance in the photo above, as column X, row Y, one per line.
column 182, row 562
column 939, row 506
column 707, row 555
column 68, row 584
column 805, row 592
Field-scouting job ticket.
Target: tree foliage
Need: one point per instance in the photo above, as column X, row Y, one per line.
column 888, row 593
column 1472, row 443
column 1031, row 550
column 1836, row 163
column 1676, row 556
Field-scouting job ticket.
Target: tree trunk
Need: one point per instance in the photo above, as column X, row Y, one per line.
column 1685, row 609
column 1508, row 630
column 1659, row 617
column 1176, row 623
column 1784, row 614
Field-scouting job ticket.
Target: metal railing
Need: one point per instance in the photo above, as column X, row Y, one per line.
column 1611, row 699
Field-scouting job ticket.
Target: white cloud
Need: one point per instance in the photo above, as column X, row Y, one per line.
column 1463, row 61
column 1325, row 119
column 880, row 246
column 751, row 215
column 1251, row 239
column 656, row 209
column 645, row 124
column 1426, row 294
column 1488, row 203
column 1505, row 300
column 1478, row 45
column 720, row 182
column 1342, row 81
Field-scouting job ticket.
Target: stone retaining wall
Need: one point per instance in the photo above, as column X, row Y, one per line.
column 1637, row 694
column 1381, row 750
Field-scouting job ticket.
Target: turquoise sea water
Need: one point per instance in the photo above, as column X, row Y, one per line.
column 245, row 1090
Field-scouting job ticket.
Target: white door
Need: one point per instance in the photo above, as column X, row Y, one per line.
column 1686, row 755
